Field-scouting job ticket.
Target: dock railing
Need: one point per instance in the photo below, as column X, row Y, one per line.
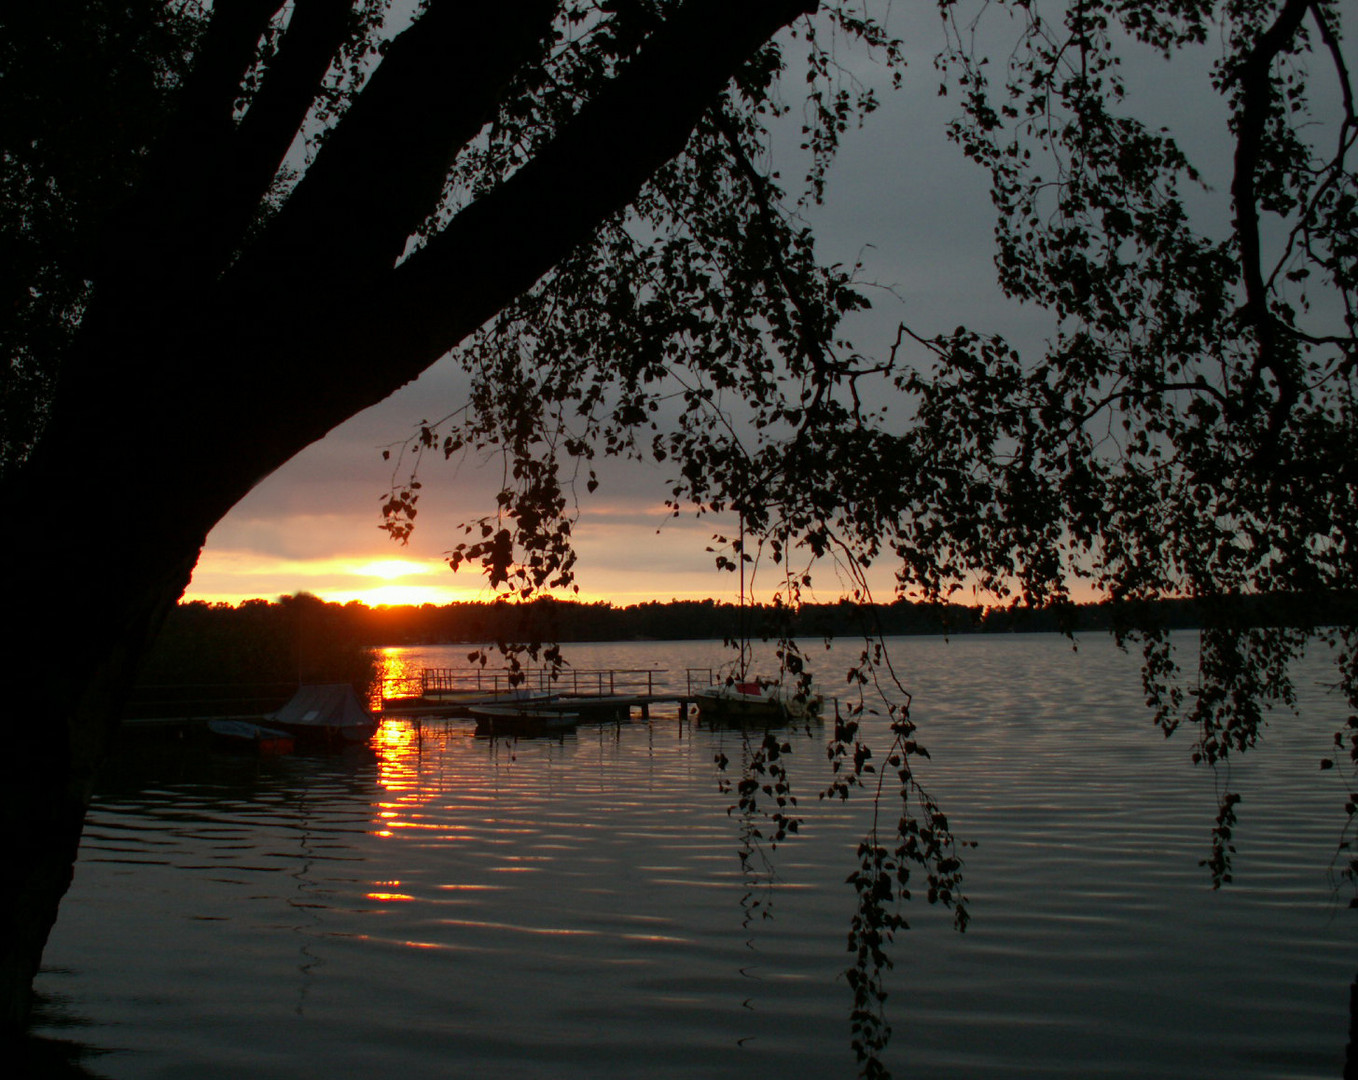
column 699, row 678
column 440, row 682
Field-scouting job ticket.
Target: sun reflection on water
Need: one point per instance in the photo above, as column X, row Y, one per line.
column 400, row 671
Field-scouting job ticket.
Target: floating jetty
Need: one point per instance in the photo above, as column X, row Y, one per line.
column 541, row 695
column 543, row 699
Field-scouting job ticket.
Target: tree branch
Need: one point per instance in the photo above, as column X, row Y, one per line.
column 381, row 171
column 594, row 168
column 314, row 35
column 1256, row 90
column 155, row 235
column 1327, row 35
column 813, row 346
column 304, row 353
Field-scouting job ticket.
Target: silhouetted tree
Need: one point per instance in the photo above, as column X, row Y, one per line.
column 211, row 317
column 235, row 227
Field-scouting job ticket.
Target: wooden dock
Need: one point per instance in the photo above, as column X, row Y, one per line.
column 437, row 682
column 611, row 694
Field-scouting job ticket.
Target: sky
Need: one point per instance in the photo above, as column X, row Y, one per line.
column 901, row 197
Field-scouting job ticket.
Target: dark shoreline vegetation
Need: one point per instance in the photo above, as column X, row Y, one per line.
column 215, row 650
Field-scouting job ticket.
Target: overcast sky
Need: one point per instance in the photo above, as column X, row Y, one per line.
column 901, row 194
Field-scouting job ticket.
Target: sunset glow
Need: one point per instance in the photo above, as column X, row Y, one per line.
column 229, row 577
column 324, row 541
column 625, row 558
column 391, row 569
column 400, row 594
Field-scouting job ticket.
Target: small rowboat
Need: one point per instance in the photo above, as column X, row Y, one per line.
column 756, row 701
column 243, row 735
column 524, row 717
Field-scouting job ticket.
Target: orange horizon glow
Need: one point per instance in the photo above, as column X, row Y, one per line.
column 377, row 579
column 389, row 596
column 382, row 582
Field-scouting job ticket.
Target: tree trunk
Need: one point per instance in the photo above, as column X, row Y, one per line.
column 192, row 378
column 67, row 683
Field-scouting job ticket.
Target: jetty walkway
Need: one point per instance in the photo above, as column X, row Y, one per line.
column 606, row 693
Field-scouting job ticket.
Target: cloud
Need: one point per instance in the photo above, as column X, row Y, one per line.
column 901, row 196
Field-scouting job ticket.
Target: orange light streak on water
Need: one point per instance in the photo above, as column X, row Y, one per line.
column 400, row 673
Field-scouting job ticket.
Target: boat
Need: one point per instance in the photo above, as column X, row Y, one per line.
column 757, row 699
column 466, row 702
column 326, row 712
column 458, row 702
column 525, row 716
column 256, row 738
column 740, row 699
column 489, row 697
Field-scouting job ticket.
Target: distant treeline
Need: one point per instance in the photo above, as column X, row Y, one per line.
column 251, row 657
column 215, row 659
column 304, row 634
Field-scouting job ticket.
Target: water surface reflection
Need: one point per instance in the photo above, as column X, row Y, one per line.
column 448, row 905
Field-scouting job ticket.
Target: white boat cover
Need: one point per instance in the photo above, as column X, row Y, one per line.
column 327, row 705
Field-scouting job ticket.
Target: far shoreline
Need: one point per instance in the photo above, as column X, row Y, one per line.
column 548, row 619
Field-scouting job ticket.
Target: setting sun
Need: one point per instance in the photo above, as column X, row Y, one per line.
column 427, row 586
column 374, row 581
column 390, row 569
column 402, row 594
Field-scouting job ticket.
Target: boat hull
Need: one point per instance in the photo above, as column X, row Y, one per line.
column 753, row 703
column 524, row 718
column 246, row 737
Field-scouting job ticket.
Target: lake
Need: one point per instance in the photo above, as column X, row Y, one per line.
column 447, row 905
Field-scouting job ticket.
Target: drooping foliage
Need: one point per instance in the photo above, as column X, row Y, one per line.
column 1190, row 428
column 1187, row 430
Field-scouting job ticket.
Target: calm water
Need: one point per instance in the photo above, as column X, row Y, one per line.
column 453, row 906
